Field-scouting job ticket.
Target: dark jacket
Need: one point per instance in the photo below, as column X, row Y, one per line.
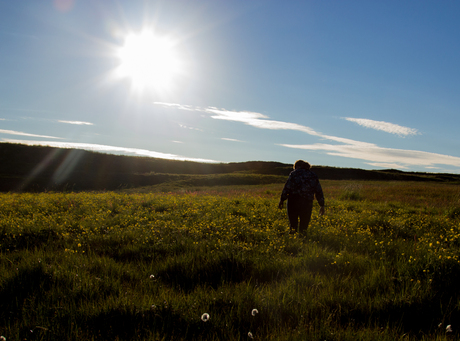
column 304, row 183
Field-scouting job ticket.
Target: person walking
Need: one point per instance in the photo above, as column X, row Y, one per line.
column 301, row 187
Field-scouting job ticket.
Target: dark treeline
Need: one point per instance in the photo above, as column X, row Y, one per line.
column 39, row 168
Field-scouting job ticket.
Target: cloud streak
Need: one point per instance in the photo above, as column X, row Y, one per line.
column 109, row 149
column 20, row 133
column 229, row 139
column 382, row 157
column 384, row 126
column 348, row 148
column 177, row 106
column 76, row 122
column 256, row 120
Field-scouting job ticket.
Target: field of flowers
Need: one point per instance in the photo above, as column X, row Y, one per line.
column 218, row 263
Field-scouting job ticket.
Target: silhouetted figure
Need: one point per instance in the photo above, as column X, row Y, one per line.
column 300, row 189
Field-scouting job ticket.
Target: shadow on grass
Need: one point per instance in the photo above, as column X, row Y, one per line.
column 186, row 274
column 27, row 240
column 131, row 324
column 29, row 283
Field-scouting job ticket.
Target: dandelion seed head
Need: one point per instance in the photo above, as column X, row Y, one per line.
column 254, row 312
column 250, row 335
column 449, row 329
column 205, row 317
column 152, row 276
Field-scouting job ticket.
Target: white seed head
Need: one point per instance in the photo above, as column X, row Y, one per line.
column 250, row 335
column 449, row 329
column 254, row 312
column 205, row 317
column 152, row 276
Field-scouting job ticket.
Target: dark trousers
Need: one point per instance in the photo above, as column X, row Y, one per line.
column 298, row 207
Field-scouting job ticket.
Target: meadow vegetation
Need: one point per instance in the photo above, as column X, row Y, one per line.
column 218, row 263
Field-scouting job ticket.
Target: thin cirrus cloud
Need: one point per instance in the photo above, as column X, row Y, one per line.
column 177, row 106
column 229, row 139
column 76, row 122
column 348, row 148
column 256, row 120
column 190, row 128
column 20, row 133
column 108, row 149
column 384, row 126
column 383, row 157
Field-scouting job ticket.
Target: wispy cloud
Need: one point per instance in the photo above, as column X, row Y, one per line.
column 109, row 149
column 191, row 128
column 256, row 120
column 76, row 122
column 20, row 133
column 229, row 139
column 384, row 126
column 260, row 121
column 388, row 165
column 348, row 148
column 177, row 106
column 374, row 155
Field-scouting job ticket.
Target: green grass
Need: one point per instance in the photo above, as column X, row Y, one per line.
column 382, row 264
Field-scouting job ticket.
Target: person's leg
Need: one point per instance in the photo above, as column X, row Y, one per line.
column 305, row 215
column 293, row 211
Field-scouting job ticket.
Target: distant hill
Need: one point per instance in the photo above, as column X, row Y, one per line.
column 38, row 168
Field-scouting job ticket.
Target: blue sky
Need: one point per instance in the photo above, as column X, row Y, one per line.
column 363, row 84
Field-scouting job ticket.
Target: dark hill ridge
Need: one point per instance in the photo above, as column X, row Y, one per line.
column 38, row 168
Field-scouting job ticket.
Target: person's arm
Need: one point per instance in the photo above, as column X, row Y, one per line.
column 322, row 210
column 281, row 204
column 320, row 197
column 285, row 192
column 283, row 197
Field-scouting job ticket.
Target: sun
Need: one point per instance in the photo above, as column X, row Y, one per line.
column 148, row 60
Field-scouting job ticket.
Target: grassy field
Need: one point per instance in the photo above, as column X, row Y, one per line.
column 218, row 263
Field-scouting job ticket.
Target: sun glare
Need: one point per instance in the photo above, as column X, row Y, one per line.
column 149, row 61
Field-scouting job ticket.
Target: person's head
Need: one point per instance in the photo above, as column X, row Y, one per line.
column 301, row 164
